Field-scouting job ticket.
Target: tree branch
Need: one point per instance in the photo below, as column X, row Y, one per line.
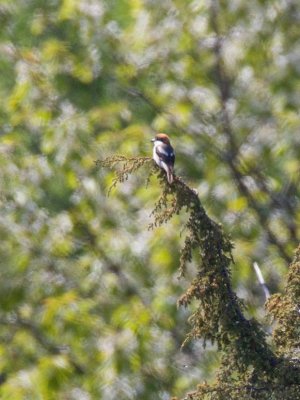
column 230, row 159
column 219, row 316
column 231, row 156
column 50, row 346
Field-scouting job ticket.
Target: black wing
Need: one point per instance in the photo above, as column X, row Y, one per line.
column 166, row 153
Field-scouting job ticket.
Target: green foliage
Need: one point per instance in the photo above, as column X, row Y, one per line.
column 249, row 369
column 88, row 294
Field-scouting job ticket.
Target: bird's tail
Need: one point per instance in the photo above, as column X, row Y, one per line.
column 170, row 174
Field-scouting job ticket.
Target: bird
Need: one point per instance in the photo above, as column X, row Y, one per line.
column 164, row 155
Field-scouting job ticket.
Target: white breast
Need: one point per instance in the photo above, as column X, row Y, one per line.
column 155, row 156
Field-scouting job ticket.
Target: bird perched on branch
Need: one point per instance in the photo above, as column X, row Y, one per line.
column 163, row 154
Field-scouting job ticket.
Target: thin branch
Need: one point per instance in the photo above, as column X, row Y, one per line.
column 229, row 158
column 206, row 142
column 209, row 145
column 232, row 155
column 262, row 217
column 50, row 346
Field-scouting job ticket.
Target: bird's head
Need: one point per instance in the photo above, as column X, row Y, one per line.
column 161, row 137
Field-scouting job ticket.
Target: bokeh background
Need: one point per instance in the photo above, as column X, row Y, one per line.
column 87, row 293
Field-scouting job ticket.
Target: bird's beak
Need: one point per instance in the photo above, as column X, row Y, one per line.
column 152, row 140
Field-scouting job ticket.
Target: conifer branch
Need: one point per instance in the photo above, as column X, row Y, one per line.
column 219, row 316
column 129, row 165
column 248, row 368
